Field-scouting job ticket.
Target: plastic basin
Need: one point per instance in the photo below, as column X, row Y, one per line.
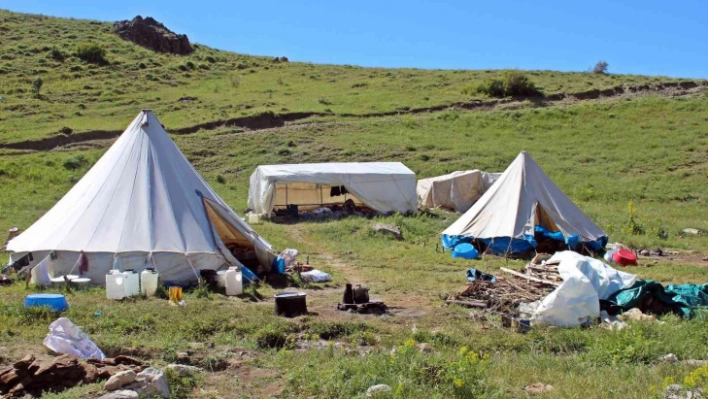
column 624, row 257
column 56, row 302
column 465, row 251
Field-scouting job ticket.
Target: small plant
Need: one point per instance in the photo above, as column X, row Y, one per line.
column 67, row 130
column 37, row 86
column 600, row 68
column 633, row 226
column 57, row 55
column 220, row 179
column 75, row 162
column 324, row 101
column 92, row 52
column 235, row 81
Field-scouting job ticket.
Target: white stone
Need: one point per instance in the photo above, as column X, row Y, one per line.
column 121, row 395
column 377, row 389
column 183, row 370
column 119, row 380
column 150, row 382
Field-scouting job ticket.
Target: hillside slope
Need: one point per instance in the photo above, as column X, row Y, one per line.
column 85, row 96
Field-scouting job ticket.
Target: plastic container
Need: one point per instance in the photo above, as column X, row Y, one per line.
column 465, row 251
column 624, row 257
column 56, row 302
column 234, row 283
column 121, row 285
column 254, row 218
column 148, row 281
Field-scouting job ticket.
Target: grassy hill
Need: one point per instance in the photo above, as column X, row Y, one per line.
column 86, row 96
column 651, row 150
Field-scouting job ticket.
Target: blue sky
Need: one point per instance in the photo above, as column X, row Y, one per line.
column 650, row 37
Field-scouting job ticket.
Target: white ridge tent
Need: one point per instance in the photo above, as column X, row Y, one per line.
column 456, row 191
column 382, row 186
column 141, row 205
column 523, row 199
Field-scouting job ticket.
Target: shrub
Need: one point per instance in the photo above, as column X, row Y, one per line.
column 75, row 162
column 37, row 86
column 271, row 336
column 220, row 179
column 514, row 83
column 210, row 59
column 92, row 52
column 57, row 55
column 600, row 68
column 518, row 84
column 67, row 130
column 492, row 88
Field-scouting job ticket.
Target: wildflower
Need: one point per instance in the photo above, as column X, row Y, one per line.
column 458, row 382
column 463, row 350
column 410, row 342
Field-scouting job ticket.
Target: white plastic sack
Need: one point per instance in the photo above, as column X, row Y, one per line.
column 585, row 281
column 603, row 277
column 40, row 273
column 574, row 302
column 316, row 276
column 66, row 338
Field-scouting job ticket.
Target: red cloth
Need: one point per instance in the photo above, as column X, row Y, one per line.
column 82, row 263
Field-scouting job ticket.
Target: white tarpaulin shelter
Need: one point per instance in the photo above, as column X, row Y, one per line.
column 585, row 282
column 141, row 205
column 382, row 186
column 456, row 191
column 523, row 199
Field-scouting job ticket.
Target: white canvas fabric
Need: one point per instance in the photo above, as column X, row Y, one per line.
column 456, row 191
column 523, row 197
column 382, row 186
column 585, row 282
column 141, row 199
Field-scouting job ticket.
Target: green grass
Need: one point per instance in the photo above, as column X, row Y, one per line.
column 89, row 96
column 651, row 151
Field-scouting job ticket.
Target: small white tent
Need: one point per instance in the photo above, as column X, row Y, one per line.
column 521, row 203
column 382, row 186
column 141, row 205
column 456, row 191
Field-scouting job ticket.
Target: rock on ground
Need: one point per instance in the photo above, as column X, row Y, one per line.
column 151, row 382
column 121, row 395
column 184, row 371
column 388, row 229
column 377, row 390
column 119, row 380
column 153, row 35
column 538, row 388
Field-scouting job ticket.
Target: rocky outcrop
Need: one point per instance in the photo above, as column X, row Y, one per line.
column 153, row 35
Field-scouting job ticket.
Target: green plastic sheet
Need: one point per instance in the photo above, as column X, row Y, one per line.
column 683, row 299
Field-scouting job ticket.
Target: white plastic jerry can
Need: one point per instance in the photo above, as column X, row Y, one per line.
column 234, row 284
column 120, row 285
column 149, row 279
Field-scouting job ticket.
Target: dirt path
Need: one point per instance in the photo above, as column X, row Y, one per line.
column 269, row 121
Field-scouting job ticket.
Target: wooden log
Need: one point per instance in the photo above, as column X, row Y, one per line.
column 467, row 303
column 534, row 279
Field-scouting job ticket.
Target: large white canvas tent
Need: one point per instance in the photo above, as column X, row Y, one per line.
column 141, row 205
column 382, row 186
column 456, row 191
column 522, row 203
